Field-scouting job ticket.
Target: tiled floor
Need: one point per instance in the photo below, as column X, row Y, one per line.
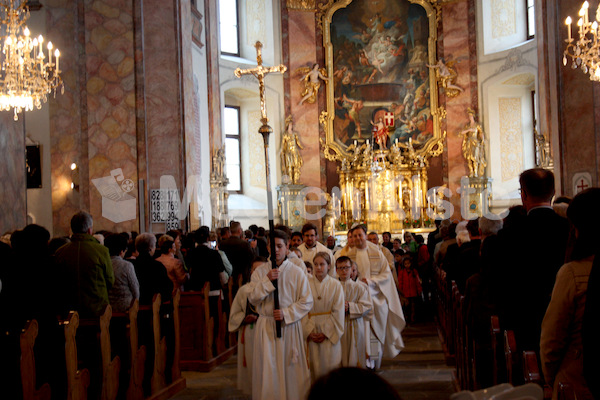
column 418, row 373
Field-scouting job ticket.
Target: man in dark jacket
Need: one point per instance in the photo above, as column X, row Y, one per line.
column 238, row 252
column 533, row 251
column 205, row 264
column 86, row 269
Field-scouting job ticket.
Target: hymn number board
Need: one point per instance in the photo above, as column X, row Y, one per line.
column 164, row 207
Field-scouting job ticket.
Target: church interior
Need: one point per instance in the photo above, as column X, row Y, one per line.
column 179, row 114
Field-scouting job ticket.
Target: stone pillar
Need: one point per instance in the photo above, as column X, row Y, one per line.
column 13, row 192
column 457, row 41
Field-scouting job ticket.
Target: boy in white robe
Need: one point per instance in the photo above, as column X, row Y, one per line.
column 358, row 307
column 242, row 320
column 324, row 324
column 280, row 369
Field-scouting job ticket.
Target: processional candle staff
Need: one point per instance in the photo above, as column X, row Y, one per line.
column 265, row 130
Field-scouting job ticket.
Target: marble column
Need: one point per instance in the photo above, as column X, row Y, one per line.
column 458, row 22
column 13, row 186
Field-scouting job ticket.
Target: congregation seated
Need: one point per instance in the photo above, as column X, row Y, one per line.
column 126, row 287
column 174, row 266
column 152, row 275
column 205, row 264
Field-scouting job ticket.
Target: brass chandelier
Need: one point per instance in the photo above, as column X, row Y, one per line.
column 26, row 75
column 584, row 51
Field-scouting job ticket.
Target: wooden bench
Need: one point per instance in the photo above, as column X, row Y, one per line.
column 201, row 350
column 77, row 380
column 495, row 340
column 28, row 375
column 137, row 354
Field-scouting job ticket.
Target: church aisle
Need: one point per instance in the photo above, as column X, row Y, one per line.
column 418, row 373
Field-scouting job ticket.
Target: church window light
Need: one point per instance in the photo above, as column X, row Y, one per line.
column 229, row 27
column 231, row 124
column 530, row 11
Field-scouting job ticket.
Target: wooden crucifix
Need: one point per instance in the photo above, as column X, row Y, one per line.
column 265, row 130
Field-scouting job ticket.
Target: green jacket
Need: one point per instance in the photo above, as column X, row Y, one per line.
column 87, row 274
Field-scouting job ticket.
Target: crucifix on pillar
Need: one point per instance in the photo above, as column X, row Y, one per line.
column 265, row 130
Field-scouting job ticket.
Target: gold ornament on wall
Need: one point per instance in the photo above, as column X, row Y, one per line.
column 446, row 75
column 301, row 5
column 311, row 77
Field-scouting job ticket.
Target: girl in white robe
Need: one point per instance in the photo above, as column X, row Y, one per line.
column 242, row 319
column 358, row 308
column 324, row 324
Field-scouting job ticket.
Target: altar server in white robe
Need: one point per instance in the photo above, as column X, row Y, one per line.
column 324, row 324
column 358, row 308
column 388, row 318
column 280, row 368
column 242, row 319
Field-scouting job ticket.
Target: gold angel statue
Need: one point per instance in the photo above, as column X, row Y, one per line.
column 473, row 146
column 311, row 77
column 446, row 76
column 291, row 159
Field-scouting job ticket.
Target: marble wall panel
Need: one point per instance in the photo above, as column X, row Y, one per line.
column 110, row 77
column 13, row 193
column 301, row 27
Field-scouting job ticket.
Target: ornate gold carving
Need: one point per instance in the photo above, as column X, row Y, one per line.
column 301, row 5
column 446, row 75
column 311, row 77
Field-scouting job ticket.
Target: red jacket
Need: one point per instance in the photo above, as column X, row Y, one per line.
column 409, row 283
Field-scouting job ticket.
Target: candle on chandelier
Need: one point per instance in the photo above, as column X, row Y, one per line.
column 586, row 12
column 568, row 22
column 57, row 55
column 50, row 53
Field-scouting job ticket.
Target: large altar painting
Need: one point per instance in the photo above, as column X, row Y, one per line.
column 380, row 55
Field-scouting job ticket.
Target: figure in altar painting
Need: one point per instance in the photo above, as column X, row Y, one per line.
column 311, row 82
column 473, row 146
column 291, row 159
column 380, row 57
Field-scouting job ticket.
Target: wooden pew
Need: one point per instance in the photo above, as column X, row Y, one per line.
column 110, row 368
column 510, row 355
column 198, row 341
column 160, row 388
column 135, row 391
column 28, row 381
column 531, row 369
column 160, row 348
column 495, row 340
column 77, row 380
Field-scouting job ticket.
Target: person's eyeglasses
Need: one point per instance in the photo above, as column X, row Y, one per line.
column 343, row 268
column 520, row 190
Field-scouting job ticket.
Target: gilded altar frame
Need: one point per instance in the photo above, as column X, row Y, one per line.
column 336, row 147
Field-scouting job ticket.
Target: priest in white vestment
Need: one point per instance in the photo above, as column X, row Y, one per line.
column 324, row 324
column 280, row 368
column 358, row 308
column 373, row 269
column 312, row 246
